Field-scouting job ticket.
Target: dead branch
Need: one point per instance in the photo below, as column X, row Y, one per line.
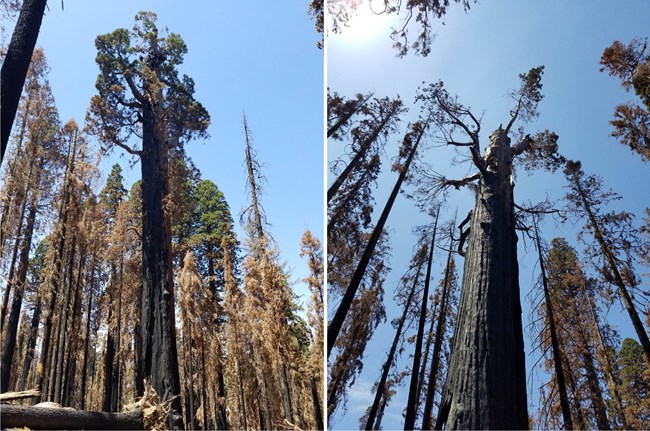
column 35, row 417
column 8, row 396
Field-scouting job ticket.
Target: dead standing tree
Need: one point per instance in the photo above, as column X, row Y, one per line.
column 486, row 382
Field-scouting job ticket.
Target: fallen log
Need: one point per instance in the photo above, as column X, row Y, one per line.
column 7, row 396
column 33, row 417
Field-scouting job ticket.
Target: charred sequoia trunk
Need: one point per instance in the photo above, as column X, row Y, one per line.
column 84, row 367
column 16, row 64
column 16, row 304
column 315, row 398
column 158, row 359
column 486, row 381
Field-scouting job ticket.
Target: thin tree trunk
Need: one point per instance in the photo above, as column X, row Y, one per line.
column 54, row 278
column 427, row 416
column 379, row 394
column 555, row 346
column 611, row 261
column 84, row 367
column 337, row 322
column 363, row 149
column 318, row 412
column 31, row 344
column 16, row 64
column 63, row 323
column 16, row 305
column 411, row 405
column 346, row 117
column 257, row 216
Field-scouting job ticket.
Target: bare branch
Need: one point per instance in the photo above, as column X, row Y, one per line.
column 128, row 149
column 460, row 183
column 460, row 144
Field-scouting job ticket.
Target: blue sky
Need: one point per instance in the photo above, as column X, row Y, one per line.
column 479, row 56
column 261, row 58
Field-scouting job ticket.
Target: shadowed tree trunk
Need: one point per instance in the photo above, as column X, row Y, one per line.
column 337, row 321
column 555, row 346
column 16, row 304
column 379, row 395
column 486, row 381
column 427, row 416
column 16, row 64
column 31, row 344
column 411, row 406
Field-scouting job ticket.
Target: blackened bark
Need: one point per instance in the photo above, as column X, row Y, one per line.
column 379, row 395
column 315, row 398
column 411, row 406
column 363, row 149
column 63, row 325
column 16, row 304
column 337, row 321
column 16, row 64
column 54, row 279
column 486, row 381
column 109, row 360
column 84, row 367
column 31, row 344
column 427, row 416
column 221, row 406
column 555, row 345
column 158, row 359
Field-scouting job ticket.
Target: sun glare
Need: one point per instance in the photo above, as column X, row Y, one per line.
column 365, row 25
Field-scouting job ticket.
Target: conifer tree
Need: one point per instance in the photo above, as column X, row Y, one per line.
column 139, row 79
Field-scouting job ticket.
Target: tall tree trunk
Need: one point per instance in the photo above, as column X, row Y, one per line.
column 16, row 304
column 427, row 416
column 618, row 279
column 411, row 405
column 71, row 360
column 255, row 206
column 89, row 307
column 16, row 64
column 608, row 367
column 380, row 393
column 337, row 321
column 348, row 114
column 363, row 149
column 63, row 323
column 555, row 346
column 318, row 412
column 109, row 356
column 54, row 278
column 486, row 381
column 31, row 344
column 158, row 359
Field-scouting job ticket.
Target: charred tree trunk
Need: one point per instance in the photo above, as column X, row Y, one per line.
column 255, row 206
column 555, row 345
column 158, row 359
column 347, row 115
column 379, row 395
column 54, row 278
column 427, row 416
column 411, row 406
column 63, row 325
column 486, row 381
column 16, row 64
column 363, row 149
column 89, row 307
column 612, row 263
column 318, row 412
column 16, row 304
column 109, row 356
column 337, row 321
column 31, row 344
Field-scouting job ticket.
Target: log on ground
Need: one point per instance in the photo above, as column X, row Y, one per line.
column 12, row 416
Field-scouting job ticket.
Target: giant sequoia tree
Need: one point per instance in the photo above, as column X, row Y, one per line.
column 140, row 93
column 486, row 382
